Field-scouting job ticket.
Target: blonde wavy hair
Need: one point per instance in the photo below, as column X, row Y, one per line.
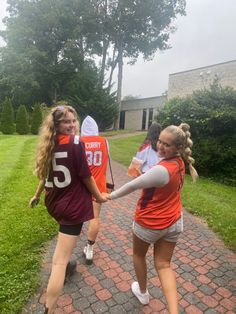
column 182, row 137
column 47, row 136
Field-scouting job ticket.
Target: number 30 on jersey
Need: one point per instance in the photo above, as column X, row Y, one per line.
column 94, row 158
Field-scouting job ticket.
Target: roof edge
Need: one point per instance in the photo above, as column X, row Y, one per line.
column 205, row 67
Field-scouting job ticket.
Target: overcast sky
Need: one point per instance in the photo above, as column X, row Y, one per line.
column 205, row 36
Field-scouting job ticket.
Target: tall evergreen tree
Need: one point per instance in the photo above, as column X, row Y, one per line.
column 22, row 120
column 7, row 117
column 37, row 118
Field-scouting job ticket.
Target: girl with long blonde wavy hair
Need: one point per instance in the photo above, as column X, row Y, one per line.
column 64, row 175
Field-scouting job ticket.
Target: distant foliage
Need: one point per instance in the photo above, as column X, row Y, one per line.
column 22, row 120
column 211, row 115
column 37, row 117
column 7, row 117
column 99, row 104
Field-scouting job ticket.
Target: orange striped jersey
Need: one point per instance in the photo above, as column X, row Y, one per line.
column 160, row 207
column 97, row 157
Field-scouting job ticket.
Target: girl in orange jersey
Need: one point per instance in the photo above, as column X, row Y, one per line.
column 158, row 216
column 96, row 148
column 62, row 168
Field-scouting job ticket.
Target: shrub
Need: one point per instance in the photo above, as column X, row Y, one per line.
column 7, row 117
column 22, row 120
column 211, row 115
column 37, row 118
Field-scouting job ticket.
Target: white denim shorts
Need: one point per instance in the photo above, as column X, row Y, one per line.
column 170, row 234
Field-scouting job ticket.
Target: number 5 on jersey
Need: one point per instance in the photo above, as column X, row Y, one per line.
column 60, row 168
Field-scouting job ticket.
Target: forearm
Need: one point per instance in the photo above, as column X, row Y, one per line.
column 156, row 177
column 36, row 198
column 40, row 188
column 92, row 187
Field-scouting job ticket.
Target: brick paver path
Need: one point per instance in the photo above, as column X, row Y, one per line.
column 206, row 270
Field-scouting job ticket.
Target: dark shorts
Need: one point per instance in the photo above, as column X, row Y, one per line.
column 71, row 229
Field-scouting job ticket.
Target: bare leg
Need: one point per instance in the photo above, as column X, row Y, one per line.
column 63, row 251
column 163, row 252
column 94, row 224
column 140, row 249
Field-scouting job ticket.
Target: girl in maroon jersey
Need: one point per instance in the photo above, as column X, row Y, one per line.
column 62, row 168
column 158, row 215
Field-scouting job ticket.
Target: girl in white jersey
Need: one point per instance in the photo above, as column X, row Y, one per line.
column 146, row 156
column 158, row 216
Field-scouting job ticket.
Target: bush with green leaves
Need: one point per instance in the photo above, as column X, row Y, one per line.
column 22, row 120
column 211, row 115
column 7, row 117
column 37, row 117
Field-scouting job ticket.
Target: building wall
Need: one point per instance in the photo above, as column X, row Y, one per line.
column 133, row 119
column 180, row 84
column 184, row 83
column 134, row 111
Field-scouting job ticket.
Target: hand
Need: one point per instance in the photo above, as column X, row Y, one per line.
column 34, row 201
column 101, row 199
column 107, row 196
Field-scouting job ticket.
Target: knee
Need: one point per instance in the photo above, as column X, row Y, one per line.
column 162, row 265
column 59, row 262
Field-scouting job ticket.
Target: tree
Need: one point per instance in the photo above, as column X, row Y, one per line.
column 49, row 44
column 37, row 118
column 211, row 115
column 7, row 118
column 130, row 97
column 22, row 120
column 100, row 105
column 53, row 44
column 130, row 28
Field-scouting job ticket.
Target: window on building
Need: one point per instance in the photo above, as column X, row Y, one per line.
column 122, row 120
column 150, row 117
column 144, row 119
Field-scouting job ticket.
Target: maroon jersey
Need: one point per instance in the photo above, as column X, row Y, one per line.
column 67, row 198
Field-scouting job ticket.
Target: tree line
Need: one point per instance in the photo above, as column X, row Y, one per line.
column 22, row 122
column 69, row 50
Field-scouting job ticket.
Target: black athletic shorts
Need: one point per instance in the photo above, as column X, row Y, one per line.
column 71, row 229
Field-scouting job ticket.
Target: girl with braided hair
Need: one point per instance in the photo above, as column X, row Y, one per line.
column 158, row 215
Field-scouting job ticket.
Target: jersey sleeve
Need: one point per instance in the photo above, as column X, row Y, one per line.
column 157, row 176
column 82, row 167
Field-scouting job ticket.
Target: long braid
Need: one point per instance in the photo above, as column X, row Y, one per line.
column 187, row 152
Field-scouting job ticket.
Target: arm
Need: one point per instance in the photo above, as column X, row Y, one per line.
column 36, row 198
column 93, row 189
column 157, row 176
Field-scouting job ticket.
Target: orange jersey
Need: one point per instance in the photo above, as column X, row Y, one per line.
column 97, row 157
column 159, row 208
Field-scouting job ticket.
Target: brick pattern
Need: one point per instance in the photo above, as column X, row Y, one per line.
column 205, row 269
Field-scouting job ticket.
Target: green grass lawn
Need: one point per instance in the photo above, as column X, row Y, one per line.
column 25, row 231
